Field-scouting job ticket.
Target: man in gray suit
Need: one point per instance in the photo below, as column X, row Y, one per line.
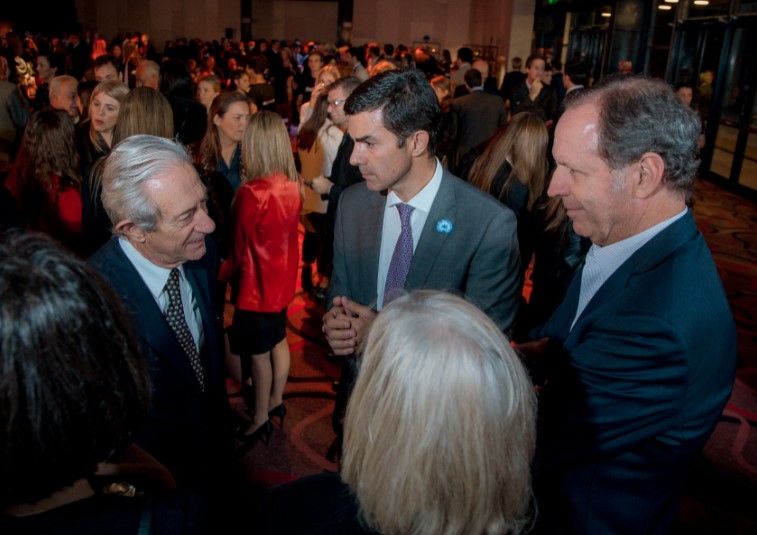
column 412, row 224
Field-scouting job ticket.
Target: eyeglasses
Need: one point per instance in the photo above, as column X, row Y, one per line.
column 336, row 102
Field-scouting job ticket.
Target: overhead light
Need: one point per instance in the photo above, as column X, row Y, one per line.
column 701, row 2
column 606, row 14
column 663, row 7
column 671, row 1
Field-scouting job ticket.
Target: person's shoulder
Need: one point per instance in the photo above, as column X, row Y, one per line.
column 471, row 194
column 105, row 256
column 359, row 192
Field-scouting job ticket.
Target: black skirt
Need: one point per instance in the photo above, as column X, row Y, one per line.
column 253, row 333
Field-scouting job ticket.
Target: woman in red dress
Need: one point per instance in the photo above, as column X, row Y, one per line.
column 263, row 265
column 45, row 178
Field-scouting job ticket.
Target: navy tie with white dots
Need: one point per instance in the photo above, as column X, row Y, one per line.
column 177, row 321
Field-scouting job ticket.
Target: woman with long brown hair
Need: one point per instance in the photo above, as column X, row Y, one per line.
column 220, row 148
column 263, row 267
column 513, row 167
column 45, row 179
column 144, row 111
column 317, row 144
column 220, row 158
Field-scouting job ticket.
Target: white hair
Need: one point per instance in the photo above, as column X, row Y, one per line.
column 440, row 428
column 131, row 163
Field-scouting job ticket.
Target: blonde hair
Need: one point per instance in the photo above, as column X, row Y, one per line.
column 440, row 428
column 523, row 143
column 144, row 111
column 441, row 82
column 115, row 90
column 266, row 148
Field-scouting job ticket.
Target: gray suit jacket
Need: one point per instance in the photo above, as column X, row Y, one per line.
column 468, row 246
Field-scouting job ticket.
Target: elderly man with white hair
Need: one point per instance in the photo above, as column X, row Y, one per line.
column 163, row 266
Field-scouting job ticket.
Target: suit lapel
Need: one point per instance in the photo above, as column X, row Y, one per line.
column 148, row 319
column 431, row 241
column 372, row 228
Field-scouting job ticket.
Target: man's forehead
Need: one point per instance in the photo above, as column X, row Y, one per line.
column 337, row 93
column 578, row 127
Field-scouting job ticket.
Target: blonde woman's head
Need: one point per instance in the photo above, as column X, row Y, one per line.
column 266, row 147
column 439, row 431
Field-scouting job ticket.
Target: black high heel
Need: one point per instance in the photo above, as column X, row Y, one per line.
column 262, row 433
column 279, row 411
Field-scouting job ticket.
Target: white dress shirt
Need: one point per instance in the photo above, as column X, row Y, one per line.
column 392, row 226
column 155, row 278
column 602, row 262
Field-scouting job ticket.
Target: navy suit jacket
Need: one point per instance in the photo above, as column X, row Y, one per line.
column 468, row 246
column 638, row 386
column 184, row 425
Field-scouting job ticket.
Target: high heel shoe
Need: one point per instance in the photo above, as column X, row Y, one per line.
column 279, row 411
column 262, row 433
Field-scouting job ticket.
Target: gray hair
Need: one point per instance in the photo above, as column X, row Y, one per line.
column 639, row 115
column 57, row 82
column 437, row 372
column 131, row 163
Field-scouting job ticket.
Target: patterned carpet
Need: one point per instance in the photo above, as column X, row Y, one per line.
column 723, row 488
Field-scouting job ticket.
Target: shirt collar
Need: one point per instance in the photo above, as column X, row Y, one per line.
column 154, row 276
column 425, row 197
column 613, row 255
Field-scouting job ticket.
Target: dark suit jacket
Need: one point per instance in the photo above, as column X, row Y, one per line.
column 545, row 104
column 640, row 382
column 184, row 425
column 343, row 174
column 479, row 115
column 478, row 257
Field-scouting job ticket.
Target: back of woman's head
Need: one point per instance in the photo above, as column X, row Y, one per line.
column 210, row 148
column 523, row 142
column 73, row 386
column 266, row 148
column 439, row 431
column 144, row 111
column 175, row 81
column 48, row 148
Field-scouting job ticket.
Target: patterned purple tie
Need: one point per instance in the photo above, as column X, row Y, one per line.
column 177, row 321
column 401, row 258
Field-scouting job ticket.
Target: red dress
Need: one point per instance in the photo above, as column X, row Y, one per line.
column 56, row 211
column 265, row 252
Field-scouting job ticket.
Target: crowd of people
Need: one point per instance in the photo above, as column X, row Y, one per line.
column 184, row 178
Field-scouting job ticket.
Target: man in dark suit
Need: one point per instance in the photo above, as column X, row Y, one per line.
column 643, row 348
column 533, row 94
column 479, row 114
column 512, row 78
column 164, row 269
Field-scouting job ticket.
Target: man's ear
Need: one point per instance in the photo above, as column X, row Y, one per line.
column 131, row 231
column 419, row 143
column 651, row 169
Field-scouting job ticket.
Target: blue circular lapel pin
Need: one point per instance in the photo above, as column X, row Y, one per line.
column 444, row 226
